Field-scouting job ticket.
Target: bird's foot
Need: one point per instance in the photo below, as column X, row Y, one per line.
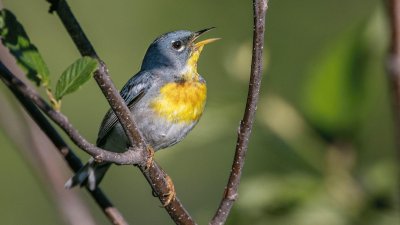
column 170, row 196
column 150, row 156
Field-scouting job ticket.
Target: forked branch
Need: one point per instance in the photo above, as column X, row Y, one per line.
column 138, row 154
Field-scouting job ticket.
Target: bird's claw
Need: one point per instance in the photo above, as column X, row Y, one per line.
column 170, row 196
column 150, row 155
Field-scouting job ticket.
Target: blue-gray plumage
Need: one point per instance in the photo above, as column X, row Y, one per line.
column 166, row 97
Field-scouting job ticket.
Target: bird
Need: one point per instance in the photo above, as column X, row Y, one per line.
column 166, row 98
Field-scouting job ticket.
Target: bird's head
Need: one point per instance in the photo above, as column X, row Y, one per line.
column 176, row 50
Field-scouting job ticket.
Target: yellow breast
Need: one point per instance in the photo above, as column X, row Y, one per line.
column 181, row 102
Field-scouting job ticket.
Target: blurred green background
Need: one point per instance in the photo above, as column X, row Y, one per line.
column 322, row 149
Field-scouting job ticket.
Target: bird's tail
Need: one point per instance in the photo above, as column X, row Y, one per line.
column 90, row 175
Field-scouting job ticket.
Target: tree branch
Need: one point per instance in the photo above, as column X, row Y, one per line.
column 138, row 155
column 393, row 69
column 38, row 151
column 155, row 176
column 128, row 157
column 73, row 161
column 101, row 75
column 231, row 190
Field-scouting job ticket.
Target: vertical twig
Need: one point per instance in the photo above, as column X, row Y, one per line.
column 231, row 190
column 393, row 70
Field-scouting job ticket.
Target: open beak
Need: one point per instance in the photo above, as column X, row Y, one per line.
column 200, row 32
column 197, row 48
column 199, row 45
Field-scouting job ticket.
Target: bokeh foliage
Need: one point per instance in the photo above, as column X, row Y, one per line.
column 15, row 38
column 322, row 151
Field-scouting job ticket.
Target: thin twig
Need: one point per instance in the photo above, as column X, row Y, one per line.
column 40, row 152
column 128, row 157
column 231, row 190
column 155, row 176
column 73, row 161
column 101, row 75
column 393, row 70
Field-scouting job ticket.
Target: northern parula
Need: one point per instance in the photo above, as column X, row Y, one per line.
column 166, row 97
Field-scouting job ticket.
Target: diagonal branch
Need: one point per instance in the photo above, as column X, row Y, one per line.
column 138, row 154
column 73, row 161
column 128, row 157
column 155, row 176
column 231, row 190
column 101, row 75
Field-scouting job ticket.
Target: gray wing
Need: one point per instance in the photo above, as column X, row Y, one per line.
column 132, row 92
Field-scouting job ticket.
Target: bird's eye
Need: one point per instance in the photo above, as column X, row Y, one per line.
column 177, row 45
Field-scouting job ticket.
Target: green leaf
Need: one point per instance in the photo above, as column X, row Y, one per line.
column 27, row 55
column 334, row 90
column 75, row 76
